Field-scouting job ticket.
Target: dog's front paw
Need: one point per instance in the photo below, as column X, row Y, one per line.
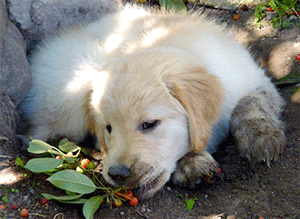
column 193, row 167
column 260, row 139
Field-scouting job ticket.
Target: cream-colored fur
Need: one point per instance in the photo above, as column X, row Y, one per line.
column 182, row 76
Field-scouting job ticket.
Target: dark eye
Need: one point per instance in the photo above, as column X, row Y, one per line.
column 149, row 125
column 109, row 128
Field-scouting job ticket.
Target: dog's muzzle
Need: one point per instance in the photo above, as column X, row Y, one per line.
column 143, row 180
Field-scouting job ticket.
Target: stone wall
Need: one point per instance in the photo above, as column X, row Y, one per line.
column 15, row 79
column 37, row 18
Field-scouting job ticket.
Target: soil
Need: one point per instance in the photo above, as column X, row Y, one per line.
column 247, row 190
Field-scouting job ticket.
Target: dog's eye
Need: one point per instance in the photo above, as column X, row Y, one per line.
column 149, row 125
column 109, row 128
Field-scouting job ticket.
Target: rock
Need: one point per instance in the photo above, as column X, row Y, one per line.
column 9, row 118
column 15, row 80
column 271, row 14
column 15, row 75
column 38, row 18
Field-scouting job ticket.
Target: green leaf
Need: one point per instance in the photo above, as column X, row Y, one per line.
column 289, row 3
column 4, row 199
column 276, row 23
column 41, row 147
column 70, row 160
column 77, row 201
column 72, row 181
column 285, row 8
column 69, row 147
column 292, row 78
column 38, row 165
column 70, row 193
column 190, row 203
column 91, row 206
column 177, row 5
column 65, row 145
column 281, row 12
column 286, row 23
column 60, row 198
column 19, row 162
column 63, row 141
column 273, row 5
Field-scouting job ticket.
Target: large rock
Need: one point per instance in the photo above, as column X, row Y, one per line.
column 15, row 77
column 15, row 80
column 38, row 18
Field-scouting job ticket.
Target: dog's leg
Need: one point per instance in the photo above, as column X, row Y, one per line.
column 194, row 166
column 256, row 125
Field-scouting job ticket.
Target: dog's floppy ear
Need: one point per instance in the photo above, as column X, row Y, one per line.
column 91, row 114
column 201, row 95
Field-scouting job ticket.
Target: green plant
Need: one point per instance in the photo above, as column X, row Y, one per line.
column 177, row 5
column 259, row 14
column 283, row 9
column 190, row 203
column 4, row 197
column 80, row 188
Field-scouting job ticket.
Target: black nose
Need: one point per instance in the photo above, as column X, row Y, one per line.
column 119, row 173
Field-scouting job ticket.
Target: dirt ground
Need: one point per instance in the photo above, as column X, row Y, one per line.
column 247, row 190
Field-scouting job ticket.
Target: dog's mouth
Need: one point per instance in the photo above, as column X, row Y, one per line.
column 144, row 180
column 151, row 186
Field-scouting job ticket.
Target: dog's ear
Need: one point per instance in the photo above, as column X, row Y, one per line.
column 201, row 95
column 91, row 114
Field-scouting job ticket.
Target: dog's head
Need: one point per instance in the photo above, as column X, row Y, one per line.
column 148, row 110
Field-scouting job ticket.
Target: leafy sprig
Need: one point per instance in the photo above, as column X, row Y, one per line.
column 81, row 187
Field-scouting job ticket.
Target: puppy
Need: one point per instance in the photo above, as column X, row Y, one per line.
column 159, row 90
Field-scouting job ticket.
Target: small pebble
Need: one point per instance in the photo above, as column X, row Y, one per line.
column 25, row 197
column 31, row 191
column 122, row 212
column 270, row 15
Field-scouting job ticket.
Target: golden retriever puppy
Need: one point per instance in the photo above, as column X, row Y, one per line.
column 159, row 90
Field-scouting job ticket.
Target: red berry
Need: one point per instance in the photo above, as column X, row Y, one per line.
column 70, row 154
column 270, row 9
column 43, row 201
column 24, row 213
column 298, row 57
column 84, row 163
column 133, row 201
column 244, row 8
column 118, row 203
column 14, row 207
column 220, row 170
column 128, row 195
column 2, row 207
column 58, row 157
column 119, row 194
column 236, row 17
